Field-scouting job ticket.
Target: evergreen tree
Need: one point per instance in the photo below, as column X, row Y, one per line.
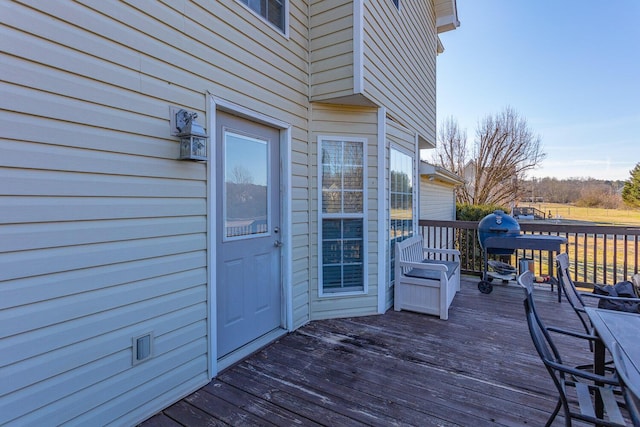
column 631, row 189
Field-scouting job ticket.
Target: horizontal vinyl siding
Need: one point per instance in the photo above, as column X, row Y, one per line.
column 353, row 122
column 331, row 49
column 104, row 232
column 400, row 62
column 400, row 137
column 436, row 201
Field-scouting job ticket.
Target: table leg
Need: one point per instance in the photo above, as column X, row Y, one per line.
column 552, row 274
column 598, row 368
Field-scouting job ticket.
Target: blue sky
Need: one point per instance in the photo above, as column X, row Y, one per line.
column 571, row 68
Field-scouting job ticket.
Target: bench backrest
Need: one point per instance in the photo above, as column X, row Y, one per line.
column 410, row 249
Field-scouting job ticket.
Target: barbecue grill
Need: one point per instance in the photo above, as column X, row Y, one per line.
column 497, row 224
column 499, row 234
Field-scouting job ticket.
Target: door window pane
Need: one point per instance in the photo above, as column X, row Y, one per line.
column 246, row 198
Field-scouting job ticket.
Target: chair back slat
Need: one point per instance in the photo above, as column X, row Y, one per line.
column 570, row 291
column 541, row 339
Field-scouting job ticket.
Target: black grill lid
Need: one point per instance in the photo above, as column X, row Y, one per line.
column 497, row 224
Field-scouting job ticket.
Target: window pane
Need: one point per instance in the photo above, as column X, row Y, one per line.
column 332, row 277
column 342, row 242
column 352, row 251
column 343, row 257
column 352, row 228
column 331, row 177
column 271, row 10
column 353, row 153
column 352, row 177
column 353, row 277
column 331, row 252
column 332, row 153
column 353, row 201
column 331, row 229
column 331, row 201
column 276, row 13
column 401, row 201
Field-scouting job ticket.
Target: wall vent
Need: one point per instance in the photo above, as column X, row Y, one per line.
column 142, row 347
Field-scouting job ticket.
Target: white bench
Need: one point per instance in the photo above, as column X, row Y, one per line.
column 426, row 279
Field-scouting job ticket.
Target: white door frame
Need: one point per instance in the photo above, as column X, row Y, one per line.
column 215, row 104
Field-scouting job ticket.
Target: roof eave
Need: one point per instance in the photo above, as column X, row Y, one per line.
column 446, row 16
column 439, row 173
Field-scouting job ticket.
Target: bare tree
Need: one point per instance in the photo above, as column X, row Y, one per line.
column 504, row 150
column 451, row 150
column 241, row 175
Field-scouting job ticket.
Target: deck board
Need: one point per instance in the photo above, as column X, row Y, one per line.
column 401, row 368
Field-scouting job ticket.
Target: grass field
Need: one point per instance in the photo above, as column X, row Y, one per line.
column 595, row 215
column 597, row 258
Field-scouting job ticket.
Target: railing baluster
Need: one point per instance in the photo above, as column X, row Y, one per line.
column 625, row 270
column 595, row 256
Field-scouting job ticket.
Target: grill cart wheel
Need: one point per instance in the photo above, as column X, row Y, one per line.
column 485, row 287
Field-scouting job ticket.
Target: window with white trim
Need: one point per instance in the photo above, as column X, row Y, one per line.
column 342, row 198
column 271, row 10
column 400, row 201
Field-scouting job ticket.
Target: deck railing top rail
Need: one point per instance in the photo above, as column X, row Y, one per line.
column 598, row 253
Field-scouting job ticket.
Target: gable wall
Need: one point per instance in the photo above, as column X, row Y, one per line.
column 104, row 231
column 437, row 201
column 400, row 62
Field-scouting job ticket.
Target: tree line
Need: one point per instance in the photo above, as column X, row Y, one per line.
column 496, row 164
column 586, row 192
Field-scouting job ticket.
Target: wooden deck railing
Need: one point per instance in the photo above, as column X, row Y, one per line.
column 598, row 254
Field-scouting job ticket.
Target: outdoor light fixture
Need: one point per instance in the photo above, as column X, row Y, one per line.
column 193, row 138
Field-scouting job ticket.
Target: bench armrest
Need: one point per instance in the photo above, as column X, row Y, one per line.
column 442, row 251
column 423, row 266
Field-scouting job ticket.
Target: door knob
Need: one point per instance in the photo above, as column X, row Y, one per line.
column 277, row 243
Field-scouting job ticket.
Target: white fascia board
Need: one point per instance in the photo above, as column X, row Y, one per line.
column 358, row 46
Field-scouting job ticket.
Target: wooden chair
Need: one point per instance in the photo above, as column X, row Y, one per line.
column 426, row 279
column 576, row 398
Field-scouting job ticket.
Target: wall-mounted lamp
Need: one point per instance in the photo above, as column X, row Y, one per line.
column 193, row 138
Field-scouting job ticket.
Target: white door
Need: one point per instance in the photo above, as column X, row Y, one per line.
column 249, row 291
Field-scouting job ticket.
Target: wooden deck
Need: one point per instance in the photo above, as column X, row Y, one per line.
column 478, row 368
